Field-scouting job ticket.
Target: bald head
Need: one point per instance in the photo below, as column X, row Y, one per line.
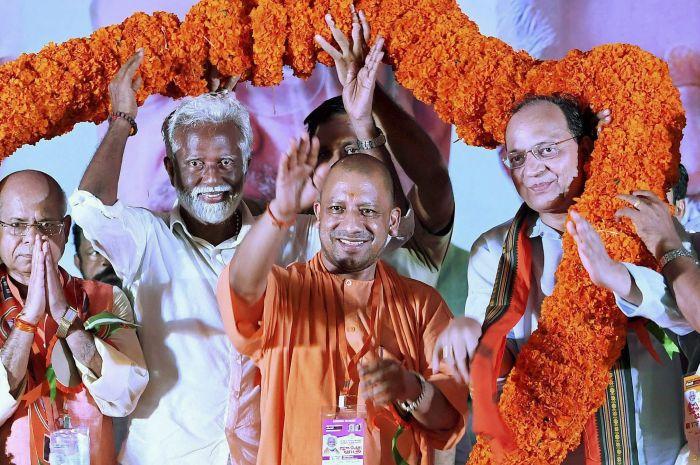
column 33, row 210
column 365, row 166
column 34, row 186
column 356, row 214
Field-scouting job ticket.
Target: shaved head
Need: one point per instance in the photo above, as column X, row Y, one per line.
column 32, row 204
column 35, row 185
column 356, row 215
column 364, row 165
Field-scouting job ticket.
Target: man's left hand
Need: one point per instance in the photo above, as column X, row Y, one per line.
column 603, row 270
column 385, row 381
column 56, row 299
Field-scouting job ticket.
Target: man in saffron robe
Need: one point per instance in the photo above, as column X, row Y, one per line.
column 344, row 323
column 55, row 367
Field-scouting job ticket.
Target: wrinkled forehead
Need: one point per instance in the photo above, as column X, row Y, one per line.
column 536, row 123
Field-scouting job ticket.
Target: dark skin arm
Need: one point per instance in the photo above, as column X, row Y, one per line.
column 658, row 230
column 358, row 93
column 101, row 177
column 411, row 147
column 432, row 198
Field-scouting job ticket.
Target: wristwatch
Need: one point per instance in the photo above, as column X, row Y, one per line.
column 676, row 253
column 362, row 145
column 409, row 406
column 66, row 321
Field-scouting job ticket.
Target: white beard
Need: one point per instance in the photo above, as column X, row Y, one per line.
column 209, row 213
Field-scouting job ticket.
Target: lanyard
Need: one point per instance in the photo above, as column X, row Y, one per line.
column 373, row 334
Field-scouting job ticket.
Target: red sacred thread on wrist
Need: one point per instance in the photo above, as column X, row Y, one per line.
column 24, row 326
column 276, row 222
column 128, row 118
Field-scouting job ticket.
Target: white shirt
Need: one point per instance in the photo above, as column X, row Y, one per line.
column 202, row 390
column 124, row 375
column 658, row 402
column 303, row 242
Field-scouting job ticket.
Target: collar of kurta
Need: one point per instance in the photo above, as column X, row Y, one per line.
column 247, row 220
column 539, row 229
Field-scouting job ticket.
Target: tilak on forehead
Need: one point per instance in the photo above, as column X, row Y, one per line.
column 363, row 164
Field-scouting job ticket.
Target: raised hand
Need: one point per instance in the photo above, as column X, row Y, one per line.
column 35, row 304
column 455, row 347
column 294, row 178
column 356, row 73
column 312, row 190
column 603, row 270
column 54, row 290
column 349, row 52
column 653, row 221
column 214, row 81
column 358, row 91
column 122, row 89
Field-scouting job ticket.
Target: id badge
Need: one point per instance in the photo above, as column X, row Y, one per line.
column 343, row 436
column 70, row 446
column 343, row 441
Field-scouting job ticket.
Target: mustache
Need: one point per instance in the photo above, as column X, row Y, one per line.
column 109, row 276
column 352, row 236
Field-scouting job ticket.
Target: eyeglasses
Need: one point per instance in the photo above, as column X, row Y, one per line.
column 47, row 228
column 542, row 151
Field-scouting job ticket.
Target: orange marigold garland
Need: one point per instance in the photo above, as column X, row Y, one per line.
column 301, row 50
column 560, row 376
column 268, row 18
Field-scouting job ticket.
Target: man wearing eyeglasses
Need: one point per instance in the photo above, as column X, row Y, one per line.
column 70, row 356
column 548, row 140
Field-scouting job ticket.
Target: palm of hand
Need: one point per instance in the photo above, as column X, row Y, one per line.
column 291, row 184
column 56, row 297
column 357, row 93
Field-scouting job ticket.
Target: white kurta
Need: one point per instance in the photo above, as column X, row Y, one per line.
column 202, row 404
column 658, row 402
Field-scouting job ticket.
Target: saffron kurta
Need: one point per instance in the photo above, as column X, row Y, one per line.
column 294, row 334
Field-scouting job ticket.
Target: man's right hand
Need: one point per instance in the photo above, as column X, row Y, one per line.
column 456, row 346
column 294, row 178
column 35, row 304
column 125, row 84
